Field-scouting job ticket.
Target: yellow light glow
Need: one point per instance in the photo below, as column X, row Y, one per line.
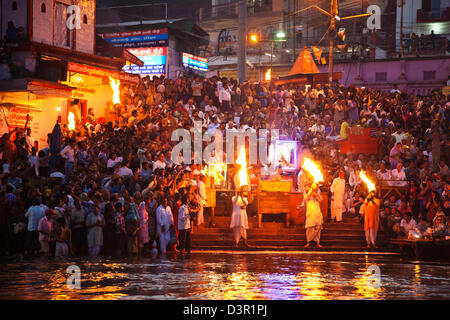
column 115, row 85
column 71, row 119
column 313, row 170
column 254, row 38
column 217, row 171
column 243, row 179
column 268, row 75
column 58, row 109
column 370, row 185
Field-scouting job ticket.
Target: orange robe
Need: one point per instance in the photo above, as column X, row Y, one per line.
column 372, row 214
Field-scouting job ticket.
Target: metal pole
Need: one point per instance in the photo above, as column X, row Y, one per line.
column 242, row 55
column 401, row 30
column 271, row 59
column 333, row 12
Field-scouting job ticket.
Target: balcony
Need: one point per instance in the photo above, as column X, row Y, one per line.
column 230, row 10
column 433, row 16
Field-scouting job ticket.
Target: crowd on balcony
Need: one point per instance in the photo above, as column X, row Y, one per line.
column 431, row 42
column 113, row 187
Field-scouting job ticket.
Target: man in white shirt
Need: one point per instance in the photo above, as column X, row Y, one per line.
column 213, row 126
column 68, row 154
column 164, row 219
column 382, row 173
column 398, row 174
column 210, row 106
column 160, row 163
column 225, row 97
column 399, row 135
column 337, row 197
column 184, row 226
column 407, row 224
column 318, row 127
column 113, row 160
column 124, row 170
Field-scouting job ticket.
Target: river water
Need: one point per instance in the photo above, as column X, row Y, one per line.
column 229, row 275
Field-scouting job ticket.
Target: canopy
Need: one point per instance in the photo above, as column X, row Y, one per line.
column 304, row 64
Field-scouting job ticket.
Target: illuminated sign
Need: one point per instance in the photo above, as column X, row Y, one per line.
column 138, row 39
column 100, row 72
column 194, row 62
column 154, row 61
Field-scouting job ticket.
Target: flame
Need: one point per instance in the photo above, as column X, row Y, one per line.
column 218, row 171
column 115, row 85
column 370, row 185
column 243, row 179
column 204, row 172
column 313, row 169
column 71, row 119
column 268, row 75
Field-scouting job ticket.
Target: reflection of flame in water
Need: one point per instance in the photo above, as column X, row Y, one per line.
column 313, row 169
column 417, row 280
column 115, row 85
column 58, row 290
column 367, row 284
column 367, row 181
column 242, row 174
column 71, row 119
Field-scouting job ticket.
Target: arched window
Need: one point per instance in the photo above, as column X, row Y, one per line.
column 14, row 5
column 43, row 8
column 85, row 19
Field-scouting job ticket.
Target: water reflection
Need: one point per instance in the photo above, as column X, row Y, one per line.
column 229, row 276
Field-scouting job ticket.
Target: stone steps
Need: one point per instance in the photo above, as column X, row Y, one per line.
column 278, row 242
column 347, row 235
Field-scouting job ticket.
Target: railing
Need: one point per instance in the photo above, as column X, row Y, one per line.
column 230, row 10
column 433, row 16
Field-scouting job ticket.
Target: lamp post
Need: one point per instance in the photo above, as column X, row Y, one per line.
column 280, row 36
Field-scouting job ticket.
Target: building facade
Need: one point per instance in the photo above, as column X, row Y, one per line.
column 50, row 64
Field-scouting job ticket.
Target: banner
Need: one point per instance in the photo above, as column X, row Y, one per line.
column 138, row 39
column 99, row 72
column 194, row 62
column 154, row 61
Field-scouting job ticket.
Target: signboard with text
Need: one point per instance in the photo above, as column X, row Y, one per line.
column 154, row 61
column 138, row 39
column 194, row 62
column 100, row 72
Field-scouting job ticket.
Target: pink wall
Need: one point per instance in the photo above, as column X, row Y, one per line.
column 414, row 72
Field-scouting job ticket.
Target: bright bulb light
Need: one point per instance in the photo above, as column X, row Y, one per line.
column 281, row 34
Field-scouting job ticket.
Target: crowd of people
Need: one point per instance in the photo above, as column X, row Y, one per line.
column 112, row 187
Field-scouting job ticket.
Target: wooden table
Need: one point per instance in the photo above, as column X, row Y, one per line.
column 434, row 248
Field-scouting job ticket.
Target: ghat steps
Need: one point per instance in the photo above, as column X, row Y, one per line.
column 347, row 235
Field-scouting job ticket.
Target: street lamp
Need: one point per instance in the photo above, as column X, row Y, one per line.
column 280, row 37
column 280, row 34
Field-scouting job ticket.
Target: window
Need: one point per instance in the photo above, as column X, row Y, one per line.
column 43, row 8
column 429, row 75
column 14, row 6
column 85, row 21
column 380, row 76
